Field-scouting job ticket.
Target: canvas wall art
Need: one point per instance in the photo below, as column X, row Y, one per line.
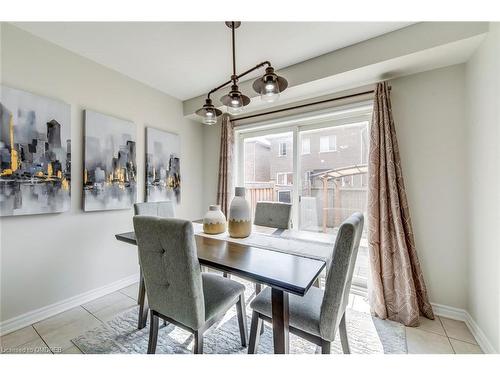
column 163, row 172
column 110, row 169
column 35, row 154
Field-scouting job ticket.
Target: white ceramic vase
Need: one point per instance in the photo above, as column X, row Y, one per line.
column 214, row 221
column 240, row 221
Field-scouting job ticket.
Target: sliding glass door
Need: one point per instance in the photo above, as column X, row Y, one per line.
column 319, row 166
column 333, row 181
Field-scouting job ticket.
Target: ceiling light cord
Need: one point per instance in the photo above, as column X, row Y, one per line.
column 234, row 52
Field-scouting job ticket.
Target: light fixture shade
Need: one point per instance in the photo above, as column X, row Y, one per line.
column 210, row 118
column 270, row 85
column 270, row 92
column 235, row 99
column 209, row 113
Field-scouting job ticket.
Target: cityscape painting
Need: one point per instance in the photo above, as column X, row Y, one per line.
column 163, row 175
column 35, row 154
column 110, row 170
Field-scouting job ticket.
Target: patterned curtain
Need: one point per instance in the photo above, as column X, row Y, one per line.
column 225, row 188
column 397, row 291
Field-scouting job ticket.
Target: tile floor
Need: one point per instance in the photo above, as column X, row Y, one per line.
column 53, row 335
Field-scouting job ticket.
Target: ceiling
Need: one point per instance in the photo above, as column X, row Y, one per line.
column 187, row 59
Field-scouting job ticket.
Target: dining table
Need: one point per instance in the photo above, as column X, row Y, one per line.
column 286, row 261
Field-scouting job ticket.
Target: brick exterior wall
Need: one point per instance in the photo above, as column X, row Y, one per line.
column 257, row 167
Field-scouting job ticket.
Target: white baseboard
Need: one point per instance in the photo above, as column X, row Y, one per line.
column 449, row 312
column 34, row 316
column 463, row 315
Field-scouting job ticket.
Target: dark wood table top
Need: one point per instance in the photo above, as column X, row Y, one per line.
column 290, row 273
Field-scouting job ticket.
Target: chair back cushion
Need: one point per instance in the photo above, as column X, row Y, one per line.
column 161, row 209
column 273, row 214
column 169, row 263
column 339, row 275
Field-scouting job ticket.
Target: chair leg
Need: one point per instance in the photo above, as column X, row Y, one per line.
column 254, row 336
column 142, row 301
column 153, row 333
column 258, row 288
column 325, row 347
column 198, row 342
column 343, row 336
column 242, row 320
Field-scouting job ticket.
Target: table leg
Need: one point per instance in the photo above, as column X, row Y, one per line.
column 279, row 301
column 143, row 303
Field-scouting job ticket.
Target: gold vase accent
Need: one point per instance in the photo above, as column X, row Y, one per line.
column 240, row 229
column 216, row 228
column 214, row 221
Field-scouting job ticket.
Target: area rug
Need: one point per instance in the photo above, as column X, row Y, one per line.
column 367, row 335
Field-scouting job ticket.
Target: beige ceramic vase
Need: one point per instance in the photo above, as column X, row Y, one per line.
column 214, row 221
column 240, row 221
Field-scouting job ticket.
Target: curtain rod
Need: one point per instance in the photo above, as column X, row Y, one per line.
column 303, row 105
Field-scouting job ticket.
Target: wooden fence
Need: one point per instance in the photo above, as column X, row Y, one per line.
column 259, row 191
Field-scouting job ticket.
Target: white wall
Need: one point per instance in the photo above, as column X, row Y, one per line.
column 49, row 258
column 429, row 115
column 211, row 144
column 483, row 144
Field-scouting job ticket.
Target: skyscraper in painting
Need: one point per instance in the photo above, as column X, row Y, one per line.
column 35, row 147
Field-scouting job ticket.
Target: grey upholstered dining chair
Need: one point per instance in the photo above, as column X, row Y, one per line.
column 164, row 209
column 177, row 290
column 161, row 209
column 273, row 215
column 317, row 316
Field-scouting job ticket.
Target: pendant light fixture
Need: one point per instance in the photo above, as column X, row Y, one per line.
column 269, row 86
column 209, row 112
column 235, row 100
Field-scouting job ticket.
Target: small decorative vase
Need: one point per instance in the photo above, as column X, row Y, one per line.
column 214, row 221
column 240, row 222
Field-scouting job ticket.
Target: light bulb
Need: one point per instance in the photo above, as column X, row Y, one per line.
column 236, row 102
column 269, row 87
